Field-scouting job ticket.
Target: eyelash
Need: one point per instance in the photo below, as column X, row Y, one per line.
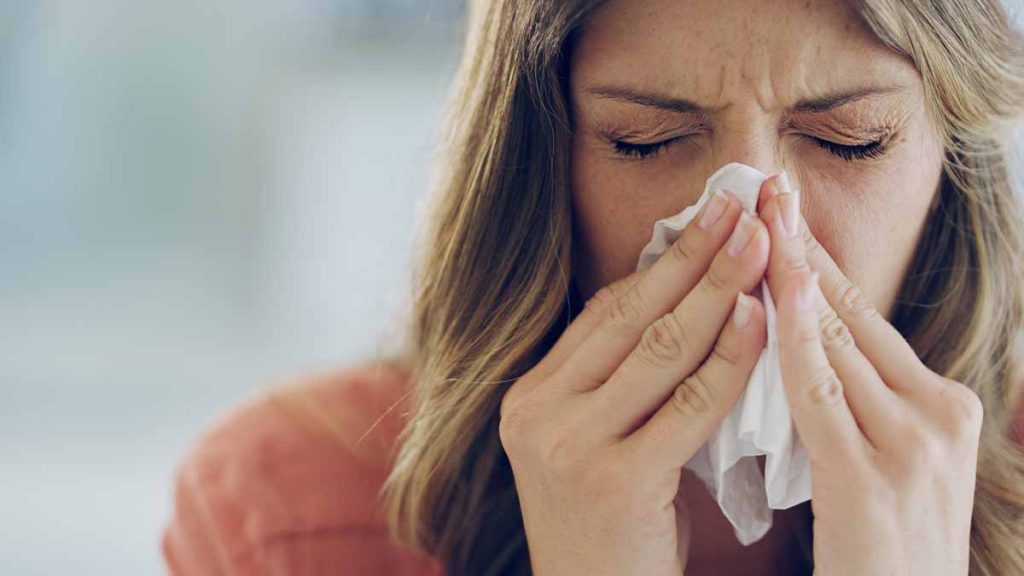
column 641, row 151
column 857, row 152
column 846, row 152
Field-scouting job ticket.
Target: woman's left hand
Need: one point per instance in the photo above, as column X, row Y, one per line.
column 893, row 446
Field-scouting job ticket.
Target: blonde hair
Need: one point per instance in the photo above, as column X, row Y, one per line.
column 492, row 291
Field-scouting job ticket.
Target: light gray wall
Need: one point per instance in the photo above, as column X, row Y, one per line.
column 195, row 200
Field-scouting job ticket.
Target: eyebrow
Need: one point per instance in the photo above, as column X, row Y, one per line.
column 680, row 105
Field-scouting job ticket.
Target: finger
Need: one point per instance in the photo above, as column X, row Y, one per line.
column 883, row 345
column 875, row 407
column 583, row 324
column 675, row 432
column 823, row 418
column 674, row 346
column 669, row 279
column 767, row 190
column 813, row 386
column 782, row 208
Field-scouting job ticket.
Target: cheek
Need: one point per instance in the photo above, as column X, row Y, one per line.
column 607, row 228
column 869, row 217
column 614, row 210
column 870, row 225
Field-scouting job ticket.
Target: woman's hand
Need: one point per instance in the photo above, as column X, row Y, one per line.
column 893, row 446
column 598, row 431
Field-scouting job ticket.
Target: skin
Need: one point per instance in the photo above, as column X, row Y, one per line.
column 748, row 63
column 598, row 431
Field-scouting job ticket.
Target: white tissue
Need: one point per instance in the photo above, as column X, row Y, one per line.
column 760, row 421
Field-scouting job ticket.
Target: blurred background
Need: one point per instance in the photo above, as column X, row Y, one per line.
column 196, row 198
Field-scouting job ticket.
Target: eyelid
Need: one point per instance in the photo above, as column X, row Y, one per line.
column 647, row 130
column 847, row 136
column 635, row 151
column 861, row 140
column 863, row 150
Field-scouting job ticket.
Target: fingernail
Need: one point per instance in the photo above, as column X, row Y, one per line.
column 713, row 210
column 741, row 235
column 789, row 208
column 808, row 286
column 741, row 313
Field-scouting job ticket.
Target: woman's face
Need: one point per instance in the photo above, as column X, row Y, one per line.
column 801, row 85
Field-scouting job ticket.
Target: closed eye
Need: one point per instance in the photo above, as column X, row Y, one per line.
column 850, row 153
column 642, row 151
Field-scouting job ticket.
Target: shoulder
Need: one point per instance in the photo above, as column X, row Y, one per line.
column 294, row 475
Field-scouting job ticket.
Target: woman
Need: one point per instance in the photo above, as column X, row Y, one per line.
column 541, row 433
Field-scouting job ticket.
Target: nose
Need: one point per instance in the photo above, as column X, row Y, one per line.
column 755, row 144
column 750, row 145
column 766, row 165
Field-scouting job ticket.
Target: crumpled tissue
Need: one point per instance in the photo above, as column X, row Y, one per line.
column 760, row 422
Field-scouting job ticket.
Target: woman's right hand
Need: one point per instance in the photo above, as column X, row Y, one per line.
column 598, row 431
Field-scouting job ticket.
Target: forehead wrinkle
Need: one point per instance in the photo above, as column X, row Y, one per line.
column 746, row 61
column 778, row 71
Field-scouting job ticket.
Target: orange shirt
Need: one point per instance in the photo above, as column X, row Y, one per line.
column 272, row 489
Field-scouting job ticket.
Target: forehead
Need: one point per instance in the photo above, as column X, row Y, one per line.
column 715, row 52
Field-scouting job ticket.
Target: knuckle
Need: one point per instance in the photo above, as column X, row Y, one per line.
column 692, row 396
column 714, row 282
column 807, row 336
column 683, row 251
column 824, row 388
column 508, row 402
column 511, row 426
column 835, row 334
column 599, row 300
column 965, row 409
column 625, row 312
column 606, row 295
column 664, row 341
column 794, row 264
column 810, row 242
column 727, row 352
column 852, row 300
column 516, row 416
